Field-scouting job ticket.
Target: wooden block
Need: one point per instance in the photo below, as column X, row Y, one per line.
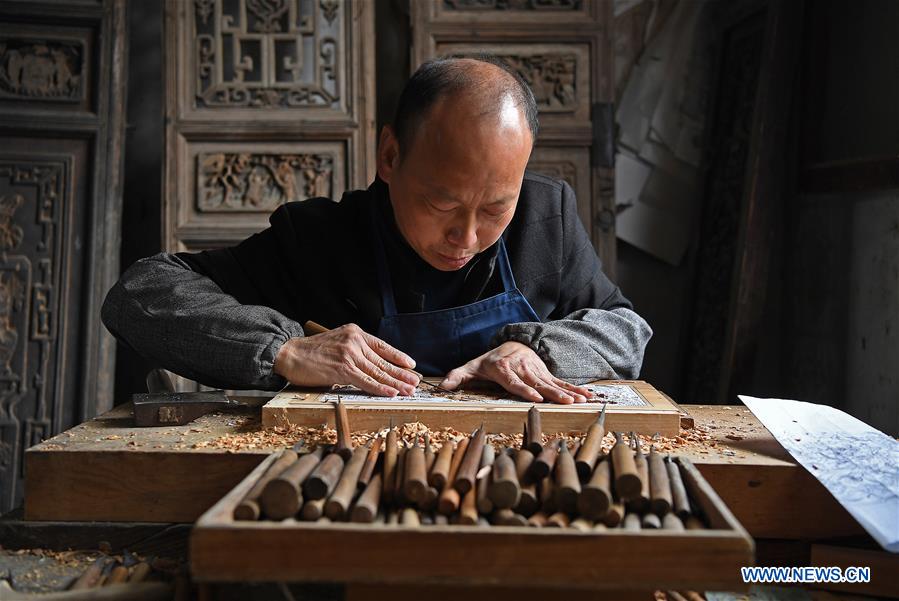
column 308, row 408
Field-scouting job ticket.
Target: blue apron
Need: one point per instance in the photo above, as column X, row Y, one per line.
column 443, row 340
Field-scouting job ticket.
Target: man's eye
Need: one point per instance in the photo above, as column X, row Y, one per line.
column 496, row 212
column 441, row 208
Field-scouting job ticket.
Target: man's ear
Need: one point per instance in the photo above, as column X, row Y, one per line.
column 388, row 153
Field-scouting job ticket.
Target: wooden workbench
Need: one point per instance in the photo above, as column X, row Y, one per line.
column 107, row 470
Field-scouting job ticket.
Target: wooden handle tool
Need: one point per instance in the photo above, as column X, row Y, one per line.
column 248, row 508
column 485, row 476
column 631, row 522
column 345, row 491
column 282, row 497
column 389, row 468
column 314, row 509
column 568, row 486
column 544, row 462
column 596, row 494
column 366, row 508
column 448, row 502
column 534, row 438
column 430, row 456
column 651, row 522
column 468, row 512
column 505, row 489
column 528, row 502
column 468, row 469
column 614, row 515
column 507, row 517
column 399, row 496
column 640, row 503
column 371, row 461
column 559, row 519
column 627, row 480
column 342, row 425
column 659, row 486
column 538, row 520
column 592, row 446
column 416, row 477
column 547, row 496
column 440, row 471
column 671, row 522
column 323, row 478
column 679, row 497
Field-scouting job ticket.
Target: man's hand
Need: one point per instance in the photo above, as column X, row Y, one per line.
column 518, row 369
column 346, row 355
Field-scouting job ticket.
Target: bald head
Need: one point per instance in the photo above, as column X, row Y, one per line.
column 485, row 85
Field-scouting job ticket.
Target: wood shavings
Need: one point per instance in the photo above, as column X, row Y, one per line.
column 253, row 437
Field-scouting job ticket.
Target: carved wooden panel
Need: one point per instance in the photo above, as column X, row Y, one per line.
column 512, row 10
column 235, row 186
column 38, row 70
column 569, row 164
column 563, row 49
column 269, row 101
column 558, row 74
column 61, row 122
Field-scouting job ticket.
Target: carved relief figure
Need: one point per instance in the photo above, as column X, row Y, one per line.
column 48, row 70
column 250, row 182
column 552, row 78
column 10, row 289
column 10, row 233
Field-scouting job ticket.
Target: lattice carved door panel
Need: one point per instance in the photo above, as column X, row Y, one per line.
column 562, row 48
column 267, row 102
column 61, row 124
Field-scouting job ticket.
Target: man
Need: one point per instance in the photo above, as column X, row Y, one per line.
column 454, row 261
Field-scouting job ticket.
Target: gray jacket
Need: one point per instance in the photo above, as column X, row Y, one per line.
column 220, row 317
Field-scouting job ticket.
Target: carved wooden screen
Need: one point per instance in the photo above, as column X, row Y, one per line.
column 562, row 48
column 61, row 125
column 267, row 101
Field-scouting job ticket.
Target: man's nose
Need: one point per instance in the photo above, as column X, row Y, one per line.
column 464, row 232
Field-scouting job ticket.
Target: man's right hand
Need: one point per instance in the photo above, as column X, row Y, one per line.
column 346, row 355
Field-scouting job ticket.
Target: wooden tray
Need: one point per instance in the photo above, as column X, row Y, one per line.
column 225, row 550
column 311, row 408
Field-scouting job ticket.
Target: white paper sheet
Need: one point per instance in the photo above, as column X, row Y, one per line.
column 856, row 463
column 620, row 395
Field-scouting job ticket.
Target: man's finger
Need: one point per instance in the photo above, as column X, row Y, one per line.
column 401, row 377
column 553, row 393
column 576, row 391
column 394, row 355
column 456, row 378
column 368, row 384
column 509, row 380
column 382, row 377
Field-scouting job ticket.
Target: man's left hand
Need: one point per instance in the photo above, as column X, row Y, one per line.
column 518, row 369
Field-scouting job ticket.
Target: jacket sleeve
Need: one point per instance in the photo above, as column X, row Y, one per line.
column 198, row 316
column 593, row 333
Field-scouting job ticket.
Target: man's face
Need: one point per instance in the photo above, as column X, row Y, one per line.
column 456, row 188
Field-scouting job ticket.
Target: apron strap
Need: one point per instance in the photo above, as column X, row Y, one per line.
column 505, row 268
